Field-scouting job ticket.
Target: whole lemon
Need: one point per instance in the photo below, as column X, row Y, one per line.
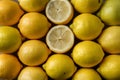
column 87, row 26
column 87, row 54
column 10, row 39
column 86, row 74
column 34, row 25
column 109, row 12
column 32, row 73
column 110, row 39
column 109, row 68
column 10, row 12
column 33, row 5
column 33, row 52
column 87, row 6
column 59, row 67
column 9, row 67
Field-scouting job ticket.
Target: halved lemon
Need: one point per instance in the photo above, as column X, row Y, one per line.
column 60, row 39
column 59, row 11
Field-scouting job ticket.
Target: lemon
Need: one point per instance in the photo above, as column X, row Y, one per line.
column 59, row 11
column 9, row 67
column 59, row 67
column 110, row 67
column 32, row 73
column 10, row 12
column 86, row 74
column 33, row 5
column 110, row 39
column 109, row 12
column 33, row 52
column 60, row 39
column 86, row 6
column 34, row 25
column 10, row 39
column 87, row 26
column 87, row 54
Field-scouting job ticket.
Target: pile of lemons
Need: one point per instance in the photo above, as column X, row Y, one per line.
column 59, row 40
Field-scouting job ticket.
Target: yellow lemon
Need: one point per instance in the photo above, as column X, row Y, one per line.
column 60, row 39
column 10, row 39
column 110, row 39
column 110, row 67
column 87, row 6
column 34, row 25
column 33, row 52
column 10, row 12
column 87, row 54
column 9, row 67
column 86, row 74
column 59, row 11
column 109, row 12
column 59, row 67
column 32, row 73
column 33, row 5
column 87, row 26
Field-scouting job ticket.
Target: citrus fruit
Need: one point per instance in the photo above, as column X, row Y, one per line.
column 9, row 67
column 10, row 12
column 32, row 73
column 59, row 67
column 86, row 74
column 33, row 5
column 87, row 26
column 86, row 6
column 59, row 11
column 110, row 39
column 34, row 25
column 110, row 67
column 33, row 52
column 87, row 54
column 60, row 38
column 109, row 12
column 10, row 39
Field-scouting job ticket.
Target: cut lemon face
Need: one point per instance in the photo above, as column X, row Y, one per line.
column 60, row 39
column 59, row 11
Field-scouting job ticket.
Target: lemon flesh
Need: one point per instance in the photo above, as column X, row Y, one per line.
column 59, row 11
column 60, row 39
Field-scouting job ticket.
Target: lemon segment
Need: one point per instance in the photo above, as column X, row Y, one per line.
column 60, row 39
column 59, row 11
